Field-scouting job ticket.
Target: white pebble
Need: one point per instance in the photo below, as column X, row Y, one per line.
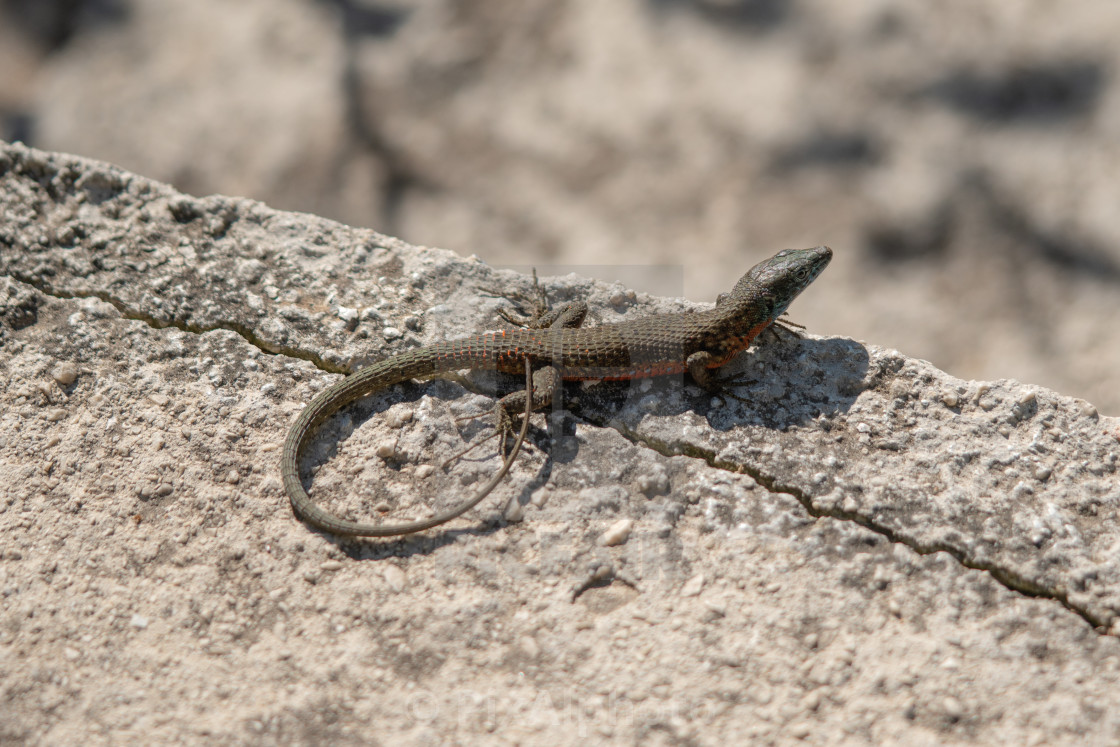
column 65, row 373
column 617, row 534
column 394, row 577
column 693, row 586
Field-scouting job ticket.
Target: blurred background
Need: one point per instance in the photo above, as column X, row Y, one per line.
column 961, row 157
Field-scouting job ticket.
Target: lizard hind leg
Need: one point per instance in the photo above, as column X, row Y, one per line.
column 509, row 409
column 507, row 412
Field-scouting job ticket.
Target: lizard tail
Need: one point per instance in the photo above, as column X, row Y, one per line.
column 331, row 400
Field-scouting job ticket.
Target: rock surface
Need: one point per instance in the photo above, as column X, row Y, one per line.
column 862, row 549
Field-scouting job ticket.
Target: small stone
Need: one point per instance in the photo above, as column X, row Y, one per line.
column 159, row 399
column 1087, row 409
column 617, row 534
column 386, row 450
column 347, row 314
column 233, row 477
column 654, row 482
column 139, row 622
column 530, row 647
column 424, row 471
column 65, row 373
column 514, row 512
column 331, row 565
column 693, row 586
column 395, row 577
column 56, row 414
column 399, row 416
column 953, row 708
column 1026, row 399
column 391, row 333
column 950, row 399
column 800, row 730
column 70, row 653
column 1042, row 473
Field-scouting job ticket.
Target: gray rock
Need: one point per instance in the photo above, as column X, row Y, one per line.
column 862, row 547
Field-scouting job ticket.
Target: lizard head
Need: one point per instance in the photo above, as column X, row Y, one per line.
column 781, row 278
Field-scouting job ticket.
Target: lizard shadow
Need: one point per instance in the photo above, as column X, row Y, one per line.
column 782, row 384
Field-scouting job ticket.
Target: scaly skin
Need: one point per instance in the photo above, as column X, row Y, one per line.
column 650, row 346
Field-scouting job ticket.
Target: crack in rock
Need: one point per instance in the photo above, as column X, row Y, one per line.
column 130, row 313
column 1006, row 577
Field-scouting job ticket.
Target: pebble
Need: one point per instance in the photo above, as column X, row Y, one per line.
column 386, row 449
column 398, row 417
column 1088, row 409
column 56, row 414
column 65, row 373
column 331, row 565
column 514, row 512
column 395, row 577
column 693, row 586
column 953, row 708
column 617, row 534
column 530, row 647
column 950, row 399
column 654, row 482
column 139, row 622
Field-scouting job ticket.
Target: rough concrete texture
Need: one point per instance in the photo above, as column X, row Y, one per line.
column 864, row 549
column 962, row 157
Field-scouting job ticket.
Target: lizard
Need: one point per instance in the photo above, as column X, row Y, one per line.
column 560, row 349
